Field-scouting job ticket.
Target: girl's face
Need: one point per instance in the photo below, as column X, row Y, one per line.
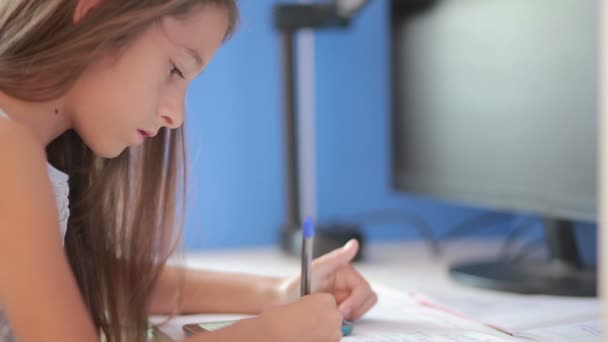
column 120, row 100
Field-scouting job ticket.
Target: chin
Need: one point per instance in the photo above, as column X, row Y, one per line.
column 101, row 146
column 109, row 155
column 106, row 150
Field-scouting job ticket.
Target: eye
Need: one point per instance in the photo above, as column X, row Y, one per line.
column 175, row 71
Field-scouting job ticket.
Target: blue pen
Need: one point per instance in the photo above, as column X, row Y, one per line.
column 308, row 234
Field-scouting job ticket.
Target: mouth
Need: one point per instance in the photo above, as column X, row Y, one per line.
column 142, row 135
column 145, row 134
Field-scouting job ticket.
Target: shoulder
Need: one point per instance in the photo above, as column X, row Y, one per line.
column 22, row 159
column 19, row 146
column 36, row 280
column 25, row 184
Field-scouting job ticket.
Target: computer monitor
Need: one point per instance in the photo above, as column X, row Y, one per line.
column 603, row 162
column 495, row 105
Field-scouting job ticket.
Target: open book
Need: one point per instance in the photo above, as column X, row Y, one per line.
column 412, row 317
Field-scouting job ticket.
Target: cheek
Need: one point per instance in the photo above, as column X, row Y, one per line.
column 137, row 97
column 122, row 99
column 109, row 102
column 103, row 117
column 101, row 130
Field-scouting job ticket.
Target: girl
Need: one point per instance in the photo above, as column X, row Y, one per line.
column 97, row 88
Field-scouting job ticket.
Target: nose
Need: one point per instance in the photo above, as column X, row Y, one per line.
column 172, row 118
column 169, row 122
column 172, row 107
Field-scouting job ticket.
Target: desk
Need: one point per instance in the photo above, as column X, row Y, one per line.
column 409, row 266
column 406, row 265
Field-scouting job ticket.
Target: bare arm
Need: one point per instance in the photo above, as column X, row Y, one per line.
column 213, row 292
column 37, row 288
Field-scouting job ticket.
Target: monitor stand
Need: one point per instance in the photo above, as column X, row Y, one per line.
column 563, row 274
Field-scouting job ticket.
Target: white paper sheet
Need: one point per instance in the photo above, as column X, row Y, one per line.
column 523, row 312
column 578, row 332
column 398, row 317
column 421, row 337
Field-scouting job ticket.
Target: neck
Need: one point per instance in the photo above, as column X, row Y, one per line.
column 47, row 120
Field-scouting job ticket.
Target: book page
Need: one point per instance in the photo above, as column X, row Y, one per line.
column 396, row 317
column 421, row 337
column 505, row 309
column 577, row 332
column 399, row 317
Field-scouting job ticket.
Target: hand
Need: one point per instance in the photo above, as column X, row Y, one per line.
column 313, row 318
column 333, row 273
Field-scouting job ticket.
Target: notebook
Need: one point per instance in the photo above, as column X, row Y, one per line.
column 414, row 317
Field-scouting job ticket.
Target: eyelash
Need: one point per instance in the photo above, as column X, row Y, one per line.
column 175, row 71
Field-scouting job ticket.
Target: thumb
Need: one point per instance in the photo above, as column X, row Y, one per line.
column 338, row 257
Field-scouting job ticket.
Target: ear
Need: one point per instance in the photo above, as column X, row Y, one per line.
column 83, row 7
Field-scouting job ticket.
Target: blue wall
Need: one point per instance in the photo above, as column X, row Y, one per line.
column 234, row 125
column 234, row 138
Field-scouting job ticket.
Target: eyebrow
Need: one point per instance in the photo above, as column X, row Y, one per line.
column 197, row 57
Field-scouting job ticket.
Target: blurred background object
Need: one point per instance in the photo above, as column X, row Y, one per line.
column 454, row 48
column 495, row 104
column 293, row 21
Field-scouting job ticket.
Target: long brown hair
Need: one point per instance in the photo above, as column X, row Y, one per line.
column 126, row 212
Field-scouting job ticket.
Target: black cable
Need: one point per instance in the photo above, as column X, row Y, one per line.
column 466, row 227
column 473, row 224
column 515, row 234
column 528, row 249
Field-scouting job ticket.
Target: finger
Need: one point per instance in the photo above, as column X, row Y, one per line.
column 357, row 298
column 336, row 258
column 348, row 278
column 367, row 305
column 341, row 295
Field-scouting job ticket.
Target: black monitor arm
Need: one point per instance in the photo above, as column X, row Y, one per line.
column 289, row 18
column 295, row 16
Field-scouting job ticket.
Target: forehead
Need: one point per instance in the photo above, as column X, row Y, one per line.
column 201, row 30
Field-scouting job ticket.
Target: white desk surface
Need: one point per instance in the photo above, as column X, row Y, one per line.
column 409, row 266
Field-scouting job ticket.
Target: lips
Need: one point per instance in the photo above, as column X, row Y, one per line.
column 146, row 134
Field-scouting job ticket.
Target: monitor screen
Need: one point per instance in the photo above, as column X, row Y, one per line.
column 495, row 103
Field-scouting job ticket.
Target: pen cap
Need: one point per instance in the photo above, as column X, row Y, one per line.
column 308, row 228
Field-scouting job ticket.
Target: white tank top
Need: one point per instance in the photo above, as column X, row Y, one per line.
column 59, row 182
